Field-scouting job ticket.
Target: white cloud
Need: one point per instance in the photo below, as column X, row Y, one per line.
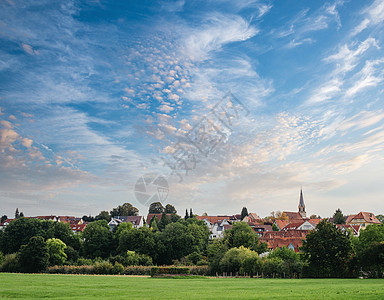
column 218, row 31
column 374, row 16
column 27, row 48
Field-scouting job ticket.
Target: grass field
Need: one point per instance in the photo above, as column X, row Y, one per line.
column 38, row 286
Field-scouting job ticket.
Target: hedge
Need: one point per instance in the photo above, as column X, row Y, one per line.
column 169, row 270
column 107, row 268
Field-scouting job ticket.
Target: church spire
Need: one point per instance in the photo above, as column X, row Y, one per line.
column 302, row 212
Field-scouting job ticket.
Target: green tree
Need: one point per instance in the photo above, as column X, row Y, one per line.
column 338, row 217
column 373, row 233
column 244, row 213
column 17, row 214
column 164, row 221
column 215, row 252
column 328, row 251
column 19, row 232
column 186, row 214
column 241, row 234
column 380, row 218
column 63, row 232
column 121, row 228
column 239, row 260
column 141, row 240
column 56, row 250
column 97, row 239
column 170, row 209
column 3, row 218
column 156, row 208
column 103, row 215
column 34, row 255
column 274, row 227
column 127, row 209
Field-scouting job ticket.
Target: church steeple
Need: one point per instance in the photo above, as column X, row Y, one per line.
column 302, row 212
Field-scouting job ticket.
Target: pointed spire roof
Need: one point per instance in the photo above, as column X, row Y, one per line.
column 301, row 204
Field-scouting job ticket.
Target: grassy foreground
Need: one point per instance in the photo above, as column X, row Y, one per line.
column 39, row 286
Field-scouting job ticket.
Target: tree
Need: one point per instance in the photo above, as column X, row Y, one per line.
column 19, row 232
column 56, row 251
column 241, row 234
column 215, row 252
column 34, row 255
column 240, row 260
column 63, row 232
column 338, row 217
column 328, row 251
column 170, row 209
column 244, row 213
column 88, row 218
column 156, row 208
column 314, row 217
column 186, row 214
column 274, row 227
column 164, row 221
column 21, row 214
column 103, row 215
column 190, row 213
column 17, row 215
column 380, row 218
column 127, row 209
column 373, row 233
column 141, row 240
column 3, row 218
column 97, row 239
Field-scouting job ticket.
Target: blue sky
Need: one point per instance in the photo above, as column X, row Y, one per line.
column 95, row 94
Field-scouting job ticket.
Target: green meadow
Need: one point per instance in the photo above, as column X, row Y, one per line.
column 38, row 286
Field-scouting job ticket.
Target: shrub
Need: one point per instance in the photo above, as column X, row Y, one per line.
column 169, row 270
column 11, row 263
column 117, row 268
column 1, row 257
column 104, row 267
column 199, row 270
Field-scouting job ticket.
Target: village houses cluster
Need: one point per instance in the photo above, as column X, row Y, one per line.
column 289, row 229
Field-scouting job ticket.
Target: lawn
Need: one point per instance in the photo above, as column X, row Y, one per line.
column 38, row 286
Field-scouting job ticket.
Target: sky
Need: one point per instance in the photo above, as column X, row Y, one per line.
column 209, row 105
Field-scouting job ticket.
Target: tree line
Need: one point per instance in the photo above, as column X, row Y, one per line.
column 32, row 245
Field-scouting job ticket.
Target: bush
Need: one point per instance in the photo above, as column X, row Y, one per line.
column 104, row 267
column 199, row 270
column 11, row 263
column 169, row 270
column 1, row 257
column 137, row 270
column 117, row 268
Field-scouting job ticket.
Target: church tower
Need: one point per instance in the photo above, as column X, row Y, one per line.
column 302, row 212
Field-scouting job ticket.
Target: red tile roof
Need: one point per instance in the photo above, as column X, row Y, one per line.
column 278, row 239
column 281, row 223
column 292, row 215
column 6, row 221
column 367, row 216
column 78, row 227
column 213, row 219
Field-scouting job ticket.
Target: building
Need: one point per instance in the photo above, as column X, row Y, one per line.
column 301, row 214
column 136, row 221
column 363, row 219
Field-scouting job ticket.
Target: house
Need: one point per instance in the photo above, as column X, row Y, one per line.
column 46, row 218
column 218, row 229
column 292, row 239
column 77, row 228
column 261, row 229
column 253, row 218
column 354, row 228
column 70, row 220
column 281, row 223
column 217, row 224
column 5, row 223
column 158, row 216
column 136, row 221
column 364, row 219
